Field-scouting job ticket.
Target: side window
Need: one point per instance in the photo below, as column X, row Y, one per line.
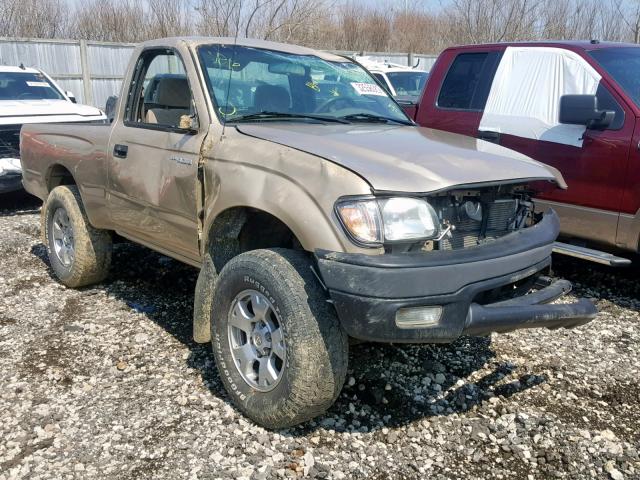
column 607, row 102
column 462, row 84
column 160, row 94
column 524, row 100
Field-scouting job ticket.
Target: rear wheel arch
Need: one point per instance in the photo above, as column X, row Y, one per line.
column 58, row 175
column 79, row 254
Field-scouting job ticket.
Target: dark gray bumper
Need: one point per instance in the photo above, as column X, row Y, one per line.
column 468, row 285
column 10, row 182
column 530, row 311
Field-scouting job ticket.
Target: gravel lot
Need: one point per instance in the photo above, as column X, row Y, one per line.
column 107, row 383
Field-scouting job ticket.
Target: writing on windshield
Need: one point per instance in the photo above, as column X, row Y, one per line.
column 244, row 81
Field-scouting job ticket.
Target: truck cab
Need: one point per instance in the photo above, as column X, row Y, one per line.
column 523, row 96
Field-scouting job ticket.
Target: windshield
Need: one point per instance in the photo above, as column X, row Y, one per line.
column 407, row 83
column 623, row 64
column 259, row 80
column 27, row 86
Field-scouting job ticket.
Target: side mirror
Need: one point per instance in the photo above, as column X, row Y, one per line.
column 71, row 96
column 583, row 110
column 189, row 123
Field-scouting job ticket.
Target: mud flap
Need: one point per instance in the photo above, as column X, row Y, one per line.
column 202, row 301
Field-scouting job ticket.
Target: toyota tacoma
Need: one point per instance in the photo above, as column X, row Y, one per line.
column 313, row 207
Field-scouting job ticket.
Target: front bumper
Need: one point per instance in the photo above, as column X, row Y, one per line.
column 10, row 182
column 10, row 173
column 470, row 287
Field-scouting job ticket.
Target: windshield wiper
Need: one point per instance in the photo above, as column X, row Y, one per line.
column 370, row 117
column 275, row 115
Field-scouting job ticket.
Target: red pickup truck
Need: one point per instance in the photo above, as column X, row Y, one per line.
column 572, row 105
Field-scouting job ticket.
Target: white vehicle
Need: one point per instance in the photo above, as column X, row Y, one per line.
column 400, row 81
column 28, row 95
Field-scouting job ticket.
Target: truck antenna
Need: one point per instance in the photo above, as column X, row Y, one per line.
column 231, row 63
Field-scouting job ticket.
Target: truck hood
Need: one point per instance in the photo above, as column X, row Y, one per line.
column 406, row 158
column 14, row 112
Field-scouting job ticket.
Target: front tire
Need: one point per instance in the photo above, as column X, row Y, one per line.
column 79, row 254
column 279, row 347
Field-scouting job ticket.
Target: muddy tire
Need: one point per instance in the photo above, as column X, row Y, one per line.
column 279, row 347
column 79, row 254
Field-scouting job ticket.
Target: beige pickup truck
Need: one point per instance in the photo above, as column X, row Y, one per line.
column 313, row 207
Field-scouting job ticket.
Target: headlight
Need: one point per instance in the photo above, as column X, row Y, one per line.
column 361, row 218
column 395, row 219
column 408, row 219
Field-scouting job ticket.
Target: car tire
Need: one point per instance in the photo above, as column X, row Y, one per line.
column 305, row 363
column 79, row 254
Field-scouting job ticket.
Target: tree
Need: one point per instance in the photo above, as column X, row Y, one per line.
column 357, row 25
column 218, row 17
column 168, row 18
column 111, row 20
column 33, row 18
column 482, row 21
column 630, row 14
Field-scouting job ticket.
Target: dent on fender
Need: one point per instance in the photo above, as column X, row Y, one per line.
column 295, row 187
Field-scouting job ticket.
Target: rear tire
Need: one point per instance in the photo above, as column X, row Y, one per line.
column 79, row 254
column 301, row 342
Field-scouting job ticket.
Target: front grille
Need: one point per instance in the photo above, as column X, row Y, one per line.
column 10, row 141
column 467, row 231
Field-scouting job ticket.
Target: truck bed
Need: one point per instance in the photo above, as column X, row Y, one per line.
column 52, row 153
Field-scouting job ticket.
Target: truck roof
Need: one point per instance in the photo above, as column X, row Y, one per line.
column 11, row 69
column 567, row 44
column 245, row 42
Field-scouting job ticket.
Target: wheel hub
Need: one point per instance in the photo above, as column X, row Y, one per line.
column 256, row 340
column 261, row 339
column 63, row 238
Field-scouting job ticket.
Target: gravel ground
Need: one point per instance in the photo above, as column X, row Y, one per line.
column 106, row 382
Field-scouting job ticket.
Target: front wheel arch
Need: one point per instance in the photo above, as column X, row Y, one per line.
column 234, row 231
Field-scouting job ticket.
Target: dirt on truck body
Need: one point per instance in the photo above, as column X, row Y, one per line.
column 313, row 207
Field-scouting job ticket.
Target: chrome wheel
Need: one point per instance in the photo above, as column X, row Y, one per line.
column 62, row 235
column 256, row 340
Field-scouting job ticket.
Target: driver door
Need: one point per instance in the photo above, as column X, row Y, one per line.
column 153, row 159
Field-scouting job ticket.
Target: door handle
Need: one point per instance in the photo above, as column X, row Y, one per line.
column 120, row 151
column 493, row 137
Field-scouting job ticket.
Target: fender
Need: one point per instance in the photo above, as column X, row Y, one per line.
column 298, row 188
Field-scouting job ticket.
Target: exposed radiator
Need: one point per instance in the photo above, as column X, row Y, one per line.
column 467, row 230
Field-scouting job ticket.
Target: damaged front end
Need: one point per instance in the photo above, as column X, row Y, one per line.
column 479, row 267
column 468, row 218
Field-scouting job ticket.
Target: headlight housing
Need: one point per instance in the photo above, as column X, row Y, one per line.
column 362, row 220
column 388, row 220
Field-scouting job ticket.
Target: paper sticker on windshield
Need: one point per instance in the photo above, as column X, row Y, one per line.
column 368, row 89
column 38, row 84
